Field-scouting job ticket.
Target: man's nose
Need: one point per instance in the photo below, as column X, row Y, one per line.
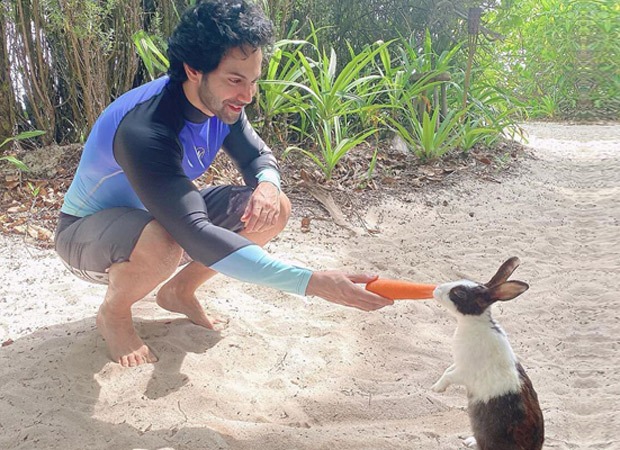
column 247, row 93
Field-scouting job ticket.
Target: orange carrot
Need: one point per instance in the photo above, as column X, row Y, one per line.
column 400, row 290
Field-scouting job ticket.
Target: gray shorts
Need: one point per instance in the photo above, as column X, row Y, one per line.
column 89, row 245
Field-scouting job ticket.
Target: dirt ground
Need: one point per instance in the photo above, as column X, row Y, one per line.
column 295, row 373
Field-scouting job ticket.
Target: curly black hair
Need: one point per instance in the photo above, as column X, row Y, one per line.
column 212, row 27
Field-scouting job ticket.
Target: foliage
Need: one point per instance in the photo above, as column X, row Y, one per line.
column 431, row 138
column 473, row 132
column 355, row 23
column 490, row 109
column 72, row 57
column 416, row 115
column 325, row 94
column 151, row 53
column 278, row 96
column 411, row 84
column 68, row 58
column 397, row 72
column 560, row 56
column 333, row 144
column 328, row 101
column 13, row 160
column 391, row 85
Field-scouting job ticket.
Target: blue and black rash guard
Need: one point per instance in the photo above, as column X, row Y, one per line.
column 144, row 151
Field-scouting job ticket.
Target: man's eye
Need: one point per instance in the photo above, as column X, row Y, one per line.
column 235, row 81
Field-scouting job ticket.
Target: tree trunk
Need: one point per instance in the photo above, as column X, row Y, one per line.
column 7, row 99
column 31, row 59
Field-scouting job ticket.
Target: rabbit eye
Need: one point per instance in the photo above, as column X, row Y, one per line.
column 459, row 294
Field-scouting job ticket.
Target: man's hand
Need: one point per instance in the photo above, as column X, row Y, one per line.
column 338, row 287
column 263, row 208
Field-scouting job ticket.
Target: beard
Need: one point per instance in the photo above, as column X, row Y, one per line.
column 225, row 110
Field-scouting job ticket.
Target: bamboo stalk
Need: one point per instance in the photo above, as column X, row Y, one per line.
column 34, row 85
column 7, row 99
column 473, row 26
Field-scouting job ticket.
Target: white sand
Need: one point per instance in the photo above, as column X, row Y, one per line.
column 289, row 373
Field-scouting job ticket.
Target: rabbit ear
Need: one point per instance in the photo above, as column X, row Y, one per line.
column 504, row 272
column 507, row 290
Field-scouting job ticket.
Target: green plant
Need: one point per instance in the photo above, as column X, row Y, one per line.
column 330, row 101
column 373, row 163
column 24, row 135
column 473, row 132
column 329, row 93
column 34, row 190
column 396, row 84
column 491, row 113
column 155, row 62
column 412, row 80
column 278, row 96
column 19, row 165
column 544, row 107
column 431, row 138
column 333, row 145
column 558, row 56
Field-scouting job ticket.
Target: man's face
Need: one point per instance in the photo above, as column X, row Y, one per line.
column 232, row 85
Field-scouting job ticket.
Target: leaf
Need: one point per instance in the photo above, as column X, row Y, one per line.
column 305, row 225
column 41, row 233
column 16, row 162
column 154, row 60
column 22, row 136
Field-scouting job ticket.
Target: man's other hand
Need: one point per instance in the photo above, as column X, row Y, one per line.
column 263, row 208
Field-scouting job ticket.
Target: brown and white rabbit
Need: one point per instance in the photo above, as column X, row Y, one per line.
column 502, row 404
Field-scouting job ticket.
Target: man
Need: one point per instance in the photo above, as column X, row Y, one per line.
column 132, row 209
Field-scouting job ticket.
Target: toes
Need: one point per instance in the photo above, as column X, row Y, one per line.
column 151, row 358
column 219, row 324
column 133, row 360
column 138, row 358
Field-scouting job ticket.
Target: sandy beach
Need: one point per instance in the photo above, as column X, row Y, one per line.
column 293, row 373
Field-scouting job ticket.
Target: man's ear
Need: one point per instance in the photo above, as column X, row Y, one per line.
column 193, row 75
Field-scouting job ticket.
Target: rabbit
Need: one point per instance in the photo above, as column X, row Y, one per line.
column 503, row 407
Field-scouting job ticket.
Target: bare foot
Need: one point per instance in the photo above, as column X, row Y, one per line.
column 124, row 345
column 188, row 305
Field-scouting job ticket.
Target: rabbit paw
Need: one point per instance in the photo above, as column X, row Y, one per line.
column 470, row 442
column 440, row 386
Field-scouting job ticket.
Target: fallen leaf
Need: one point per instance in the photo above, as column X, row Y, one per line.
column 41, row 233
column 305, row 225
column 390, row 180
column 32, row 232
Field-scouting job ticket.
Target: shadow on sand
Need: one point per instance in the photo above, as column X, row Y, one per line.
column 52, row 381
